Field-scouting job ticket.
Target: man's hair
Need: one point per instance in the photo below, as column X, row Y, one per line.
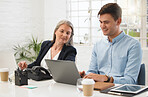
column 113, row 9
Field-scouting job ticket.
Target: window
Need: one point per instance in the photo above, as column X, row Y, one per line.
column 83, row 14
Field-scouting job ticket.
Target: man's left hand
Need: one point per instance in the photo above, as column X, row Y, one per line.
column 96, row 77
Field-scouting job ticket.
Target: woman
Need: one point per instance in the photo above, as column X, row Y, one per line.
column 60, row 48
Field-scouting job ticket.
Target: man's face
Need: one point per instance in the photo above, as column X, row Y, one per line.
column 108, row 25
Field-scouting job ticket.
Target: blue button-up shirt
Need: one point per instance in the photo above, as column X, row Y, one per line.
column 120, row 59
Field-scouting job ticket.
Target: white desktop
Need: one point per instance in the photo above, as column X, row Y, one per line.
column 48, row 88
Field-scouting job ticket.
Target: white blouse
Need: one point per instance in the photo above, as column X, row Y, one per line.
column 48, row 56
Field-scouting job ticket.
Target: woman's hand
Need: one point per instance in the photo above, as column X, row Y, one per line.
column 22, row 65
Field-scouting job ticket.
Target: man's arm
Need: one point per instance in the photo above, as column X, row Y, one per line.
column 93, row 67
column 132, row 67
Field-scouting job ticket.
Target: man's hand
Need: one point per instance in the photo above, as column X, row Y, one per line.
column 82, row 74
column 96, row 77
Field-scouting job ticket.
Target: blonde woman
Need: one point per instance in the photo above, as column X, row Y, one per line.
column 60, row 48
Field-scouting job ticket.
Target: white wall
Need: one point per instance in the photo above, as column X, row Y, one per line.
column 21, row 19
column 54, row 12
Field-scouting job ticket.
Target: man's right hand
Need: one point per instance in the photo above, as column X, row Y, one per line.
column 22, row 65
column 82, row 74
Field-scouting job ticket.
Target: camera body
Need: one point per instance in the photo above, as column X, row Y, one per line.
column 21, row 77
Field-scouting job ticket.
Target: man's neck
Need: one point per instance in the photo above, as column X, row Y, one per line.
column 113, row 36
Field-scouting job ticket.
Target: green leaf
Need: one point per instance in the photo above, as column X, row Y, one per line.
column 29, row 51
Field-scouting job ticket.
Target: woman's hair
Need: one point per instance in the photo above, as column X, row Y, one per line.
column 68, row 23
column 113, row 9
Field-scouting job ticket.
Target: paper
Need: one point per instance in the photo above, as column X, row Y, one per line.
column 29, row 86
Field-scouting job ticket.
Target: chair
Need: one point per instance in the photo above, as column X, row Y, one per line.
column 141, row 76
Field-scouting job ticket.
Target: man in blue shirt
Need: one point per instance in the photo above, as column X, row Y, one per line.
column 118, row 55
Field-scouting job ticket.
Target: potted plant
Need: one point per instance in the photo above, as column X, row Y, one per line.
column 27, row 52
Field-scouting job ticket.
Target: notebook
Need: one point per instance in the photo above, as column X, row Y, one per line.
column 103, row 85
column 63, row 71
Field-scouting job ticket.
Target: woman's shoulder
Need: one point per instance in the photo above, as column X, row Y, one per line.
column 70, row 47
column 47, row 42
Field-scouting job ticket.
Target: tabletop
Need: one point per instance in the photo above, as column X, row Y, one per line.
column 48, row 88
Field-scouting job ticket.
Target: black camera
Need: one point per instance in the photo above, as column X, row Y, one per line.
column 21, row 77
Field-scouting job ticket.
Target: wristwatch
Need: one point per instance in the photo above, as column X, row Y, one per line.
column 109, row 79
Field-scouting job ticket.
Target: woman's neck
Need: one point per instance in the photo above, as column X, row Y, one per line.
column 57, row 46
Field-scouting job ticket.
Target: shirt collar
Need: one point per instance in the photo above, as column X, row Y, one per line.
column 119, row 37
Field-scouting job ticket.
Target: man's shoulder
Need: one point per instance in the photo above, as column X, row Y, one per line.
column 101, row 41
column 131, row 39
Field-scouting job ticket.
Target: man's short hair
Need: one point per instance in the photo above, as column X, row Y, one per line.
column 113, row 9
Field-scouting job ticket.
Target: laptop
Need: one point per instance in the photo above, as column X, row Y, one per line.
column 63, row 71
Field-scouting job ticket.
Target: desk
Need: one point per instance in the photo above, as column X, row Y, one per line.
column 48, row 88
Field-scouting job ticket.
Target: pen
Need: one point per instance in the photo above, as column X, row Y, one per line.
column 115, row 93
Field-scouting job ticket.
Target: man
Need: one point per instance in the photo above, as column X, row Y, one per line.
column 119, row 55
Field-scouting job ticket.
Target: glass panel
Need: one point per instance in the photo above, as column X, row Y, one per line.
column 83, row 13
column 125, row 30
column 95, row 13
column 75, row 21
column 75, row 31
column 147, row 39
column 134, row 32
column 81, row 40
column 97, row 32
column 122, row 3
column 95, row 22
column 131, row 21
column 83, row 5
column 124, row 12
column 74, row 6
column 76, row 40
column 74, row 13
column 83, row 31
column 124, row 21
column 96, row 4
column 83, row 22
column 107, row 1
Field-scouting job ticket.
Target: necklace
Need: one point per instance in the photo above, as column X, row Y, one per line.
column 54, row 52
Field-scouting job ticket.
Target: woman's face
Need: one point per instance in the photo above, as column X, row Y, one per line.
column 63, row 34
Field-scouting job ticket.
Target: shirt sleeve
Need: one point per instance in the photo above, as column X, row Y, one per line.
column 93, row 67
column 132, row 67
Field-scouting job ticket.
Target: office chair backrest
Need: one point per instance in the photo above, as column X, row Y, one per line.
column 141, row 76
